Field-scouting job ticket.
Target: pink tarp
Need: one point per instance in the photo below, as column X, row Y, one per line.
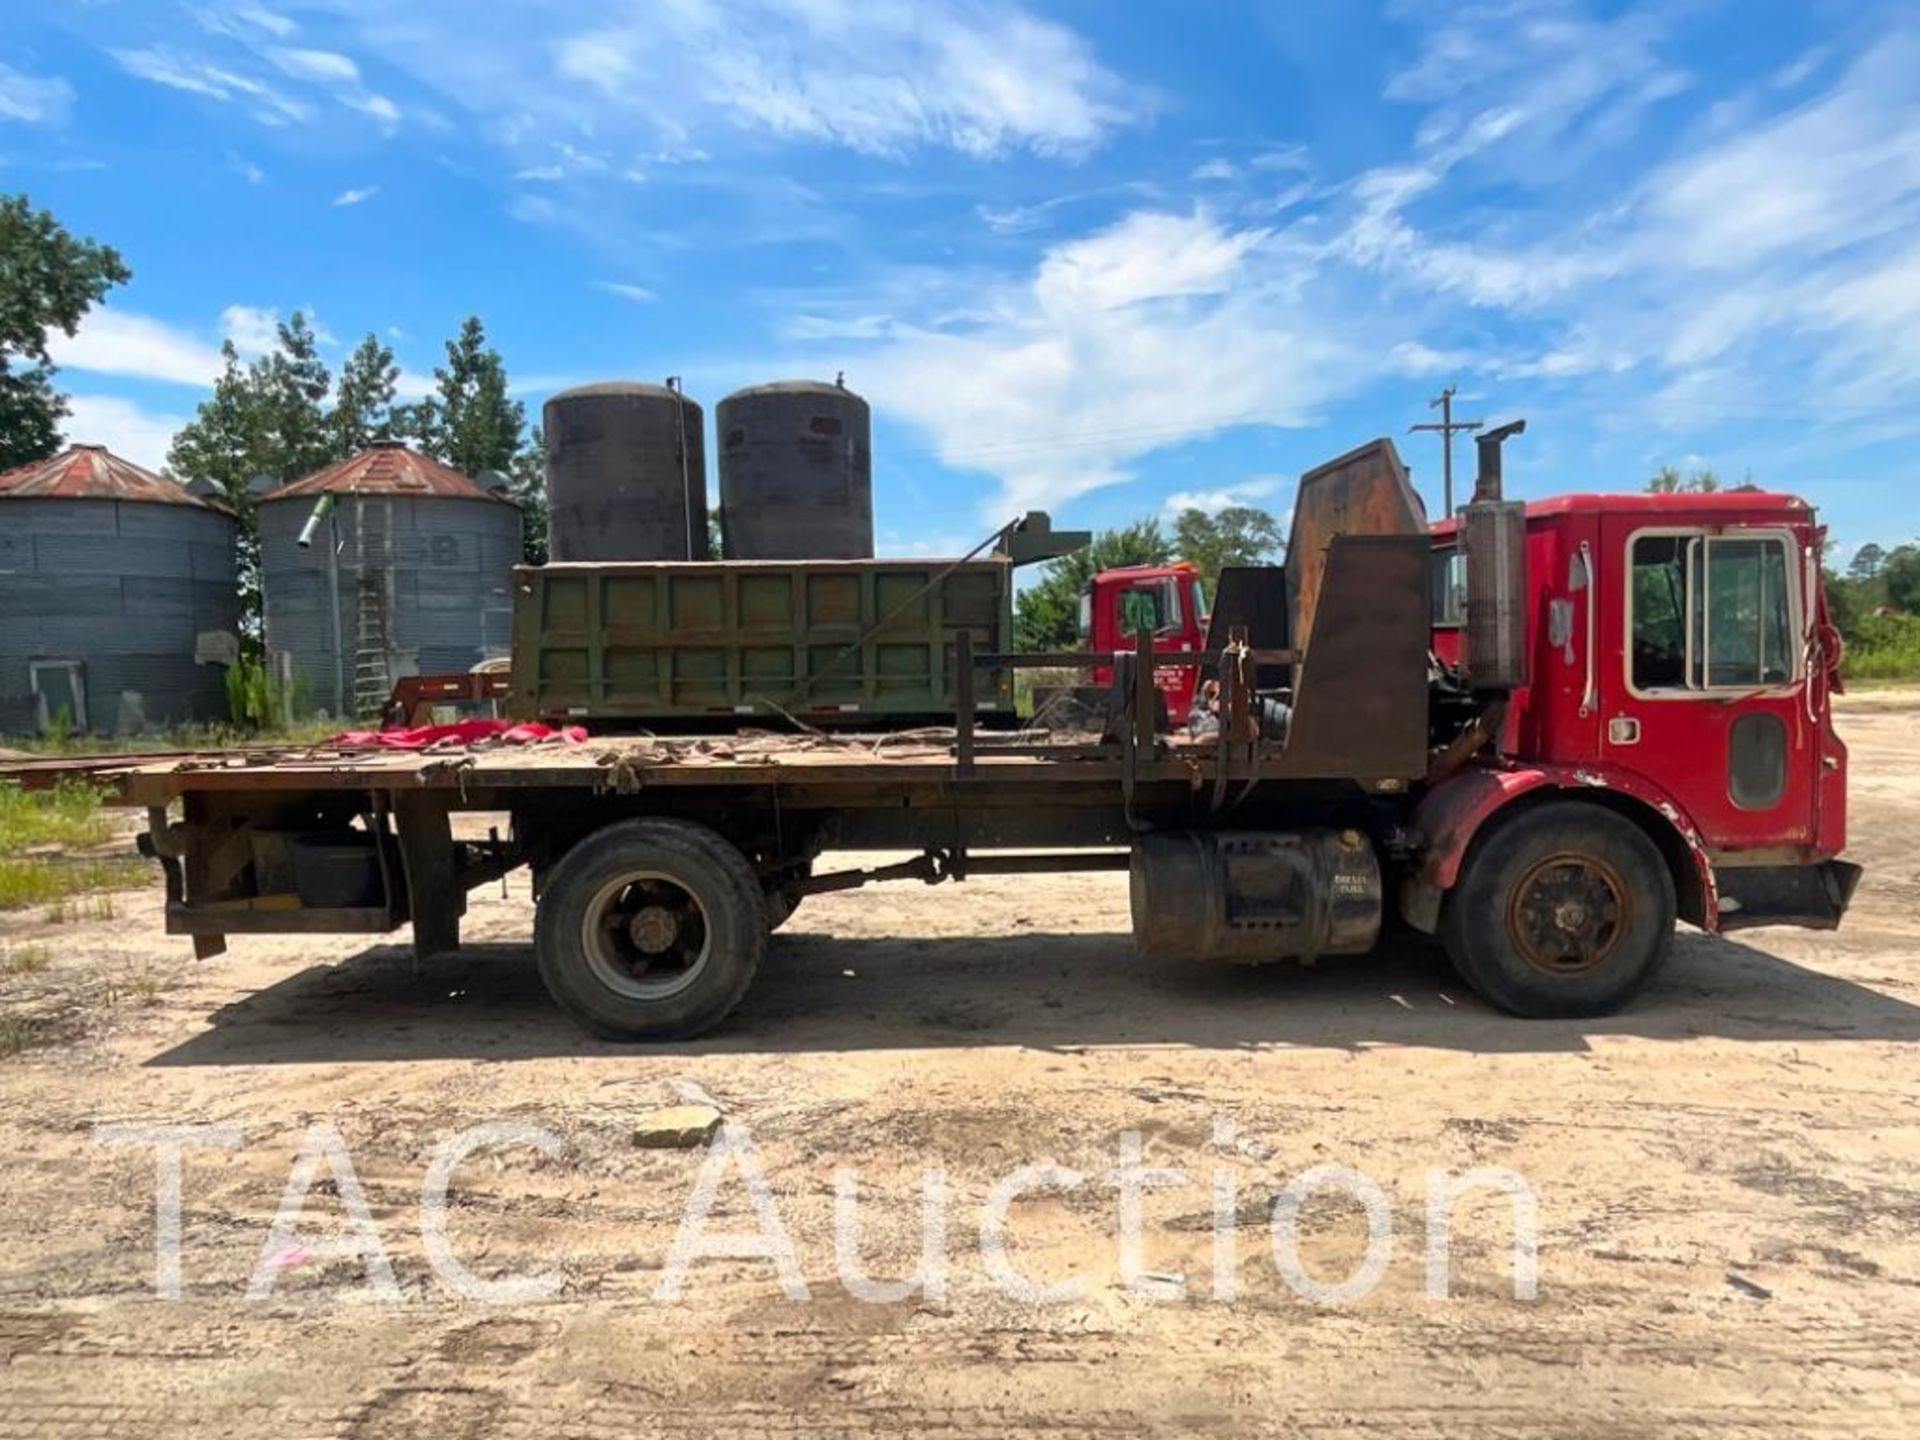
column 462, row 732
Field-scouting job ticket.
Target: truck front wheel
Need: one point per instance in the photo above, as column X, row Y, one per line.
column 650, row 930
column 1565, row 910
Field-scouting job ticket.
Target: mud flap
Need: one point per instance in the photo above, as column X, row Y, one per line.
column 1812, row 896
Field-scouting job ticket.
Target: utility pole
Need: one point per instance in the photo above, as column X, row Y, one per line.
column 1445, row 430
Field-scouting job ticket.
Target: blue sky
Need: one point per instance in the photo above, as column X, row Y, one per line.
column 1098, row 257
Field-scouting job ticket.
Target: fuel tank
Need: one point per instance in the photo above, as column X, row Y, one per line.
column 1254, row 895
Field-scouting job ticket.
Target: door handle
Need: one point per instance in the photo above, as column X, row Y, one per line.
column 1623, row 730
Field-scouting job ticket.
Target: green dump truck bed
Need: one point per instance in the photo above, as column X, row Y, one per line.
column 824, row 641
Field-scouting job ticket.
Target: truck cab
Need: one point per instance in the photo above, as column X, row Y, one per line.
column 1680, row 660
column 1168, row 602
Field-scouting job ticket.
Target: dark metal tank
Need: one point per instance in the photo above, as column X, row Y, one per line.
column 626, row 474
column 796, row 472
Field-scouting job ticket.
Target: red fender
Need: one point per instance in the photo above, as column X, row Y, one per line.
column 1451, row 814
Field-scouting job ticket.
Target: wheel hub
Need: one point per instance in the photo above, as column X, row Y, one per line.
column 1569, row 913
column 645, row 936
column 654, row 929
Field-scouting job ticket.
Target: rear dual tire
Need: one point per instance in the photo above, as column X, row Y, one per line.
column 650, row 930
column 1565, row 910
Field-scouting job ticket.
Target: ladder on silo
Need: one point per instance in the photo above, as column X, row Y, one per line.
column 372, row 682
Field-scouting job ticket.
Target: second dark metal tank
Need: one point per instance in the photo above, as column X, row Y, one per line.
column 796, row 472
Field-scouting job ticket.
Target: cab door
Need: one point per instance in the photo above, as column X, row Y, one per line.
column 1708, row 696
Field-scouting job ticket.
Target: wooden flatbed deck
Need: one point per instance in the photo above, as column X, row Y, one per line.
column 626, row 764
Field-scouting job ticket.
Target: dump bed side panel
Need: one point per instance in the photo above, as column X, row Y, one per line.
column 826, row 641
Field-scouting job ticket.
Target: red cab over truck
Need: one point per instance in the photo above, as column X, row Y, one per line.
column 1540, row 732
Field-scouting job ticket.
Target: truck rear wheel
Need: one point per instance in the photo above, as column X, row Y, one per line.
column 650, row 930
column 1565, row 910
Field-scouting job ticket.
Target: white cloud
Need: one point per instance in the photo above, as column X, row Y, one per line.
column 1823, row 177
column 242, row 21
column 324, row 67
column 246, row 169
column 883, row 77
column 253, row 329
column 625, row 291
column 982, row 77
column 1215, row 169
column 1147, row 256
column 378, row 106
column 412, row 385
column 1540, row 83
column 34, row 99
column 1159, row 329
column 1212, row 502
column 141, row 436
column 120, row 342
column 357, row 195
column 163, row 66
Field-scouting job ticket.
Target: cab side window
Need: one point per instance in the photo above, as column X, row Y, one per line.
column 1447, row 588
column 1711, row 612
column 1659, row 612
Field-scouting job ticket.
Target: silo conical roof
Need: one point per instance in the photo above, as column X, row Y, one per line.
column 387, row 467
column 92, row 472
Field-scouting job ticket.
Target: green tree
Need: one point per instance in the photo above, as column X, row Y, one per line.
column 229, row 441
column 470, row 421
column 1867, row 562
column 48, row 281
column 1237, row 535
column 1843, row 603
column 1046, row 614
column 1669, row 481
column 363, row 400
column 292, row 383
column 1901, row 576
column 528, row 487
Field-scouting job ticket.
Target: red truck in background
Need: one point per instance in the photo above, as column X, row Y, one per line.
column 1168, row 602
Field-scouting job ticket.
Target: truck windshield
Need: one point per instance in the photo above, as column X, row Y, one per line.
column 1149, row 608
column 1711, row 612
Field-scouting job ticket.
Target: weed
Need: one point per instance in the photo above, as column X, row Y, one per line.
column 1884, row 647
column 17, row 1033
column 67, row 815
column 53, row 882
column 25, row 960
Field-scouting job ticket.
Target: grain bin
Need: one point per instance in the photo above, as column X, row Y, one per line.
column 118, row 604
column 796, row 472
column 407, row 572
column 626, row 474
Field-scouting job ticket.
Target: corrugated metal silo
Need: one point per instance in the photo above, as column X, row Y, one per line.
column 626, row 474
column 796, row 472
column 118, row 603
column 410, row 574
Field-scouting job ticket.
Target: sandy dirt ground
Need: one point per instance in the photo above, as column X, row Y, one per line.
column 1728, row 1216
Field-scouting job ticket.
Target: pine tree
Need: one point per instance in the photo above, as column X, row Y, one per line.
column 363, row 400
column 470, row 421
column 293, row 382
column 228, row 443
column 529, row 490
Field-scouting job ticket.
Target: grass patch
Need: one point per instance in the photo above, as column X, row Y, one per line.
column 68, row 815
column 54, row 882
column 1884, row 647
column 17, row 1033
column 93, row 905
column 25, row 959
